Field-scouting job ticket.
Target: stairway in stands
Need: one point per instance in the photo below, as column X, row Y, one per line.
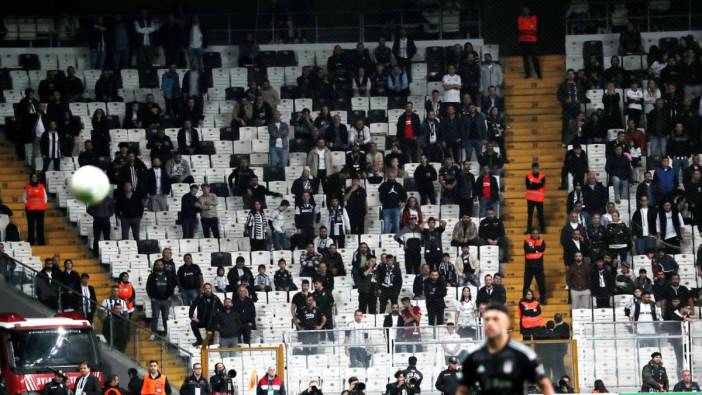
column 534, row 115
column 62, row 238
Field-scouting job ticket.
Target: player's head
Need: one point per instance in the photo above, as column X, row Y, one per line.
column 496, row 321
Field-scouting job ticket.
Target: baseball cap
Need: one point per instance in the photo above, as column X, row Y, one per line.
column 453, row 360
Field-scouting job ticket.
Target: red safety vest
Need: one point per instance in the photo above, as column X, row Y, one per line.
column 534, row 243
column 36, row 197
column 536, row 195
column 126, row 292
column 527, row 321
column 527, row 28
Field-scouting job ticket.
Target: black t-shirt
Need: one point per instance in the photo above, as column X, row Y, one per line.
column 505, row 372
column 299, row 300
column 309, row 317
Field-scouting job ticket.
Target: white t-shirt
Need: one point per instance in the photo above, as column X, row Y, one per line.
column 634, row 94
column 452, row 95
column 322, row 165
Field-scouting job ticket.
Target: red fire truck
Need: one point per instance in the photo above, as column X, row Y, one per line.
column 32, row 349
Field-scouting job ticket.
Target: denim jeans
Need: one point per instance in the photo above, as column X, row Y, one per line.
column 97, row 59
column 278, row 157
column 472, row 145
column 470, row 279
column 679, row 166
column 279, row 241
column 159, row 307
column 195, row 55
column 487, row 203
column 644, row 244
column 621, row 187
column 188, row 296
column 656, row 145
column 391, row 220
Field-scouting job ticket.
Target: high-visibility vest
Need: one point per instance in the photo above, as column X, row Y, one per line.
column 536, row 195
column 534, row 243
column 126, row 291
column 112, row 391
column 36, row 197
column 527, row 28
column 154, row 386
column 527, row 321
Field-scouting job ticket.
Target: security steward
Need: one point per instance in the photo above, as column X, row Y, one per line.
column 535, row 192
column 449, row 379
column 57, row 385
column 527, row 29
column 155, row 383
column 534, row 248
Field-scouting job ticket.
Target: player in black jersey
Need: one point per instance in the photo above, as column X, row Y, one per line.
column 502, row 366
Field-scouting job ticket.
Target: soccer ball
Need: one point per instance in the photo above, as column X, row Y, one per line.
column 90, row 185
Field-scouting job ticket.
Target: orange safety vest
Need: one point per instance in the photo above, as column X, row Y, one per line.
column 527, row 28
column 527, row 321
column 126, row 292
column 536, row 195
column 153, row 386
column 534, row 243
column 36, row 197
column 112, row 391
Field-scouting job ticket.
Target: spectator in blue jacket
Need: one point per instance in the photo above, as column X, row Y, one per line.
column 170, row 86
column 665, row 180
column 278, row 143
column 398, row 83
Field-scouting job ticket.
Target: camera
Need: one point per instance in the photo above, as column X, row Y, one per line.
column 231, row 373
column 411, row 382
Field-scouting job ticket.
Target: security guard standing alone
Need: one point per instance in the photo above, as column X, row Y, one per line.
column 535, row 193
column 534, row 248
column 527, row 29
column 449, row 379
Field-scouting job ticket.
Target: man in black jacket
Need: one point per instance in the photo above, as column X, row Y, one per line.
column 492, row 231
column 490, row 293
column 238, row 273
column 189, row 280
column 101, row 213
column 595, row 195
column 602, row 285
column 424, row 177
column 244, row 305
column 434, row 292
column 188, row 139
column 46, row 288
column 129, row 209
column 189, row 207
column 157, row 186
column 132, row 171
column 575, row 163
column 86, row 383
column 403, row 48
column 450, row 133
column 208, row 306
column 409, row 128
column 159, row 287
column 392, row 198
column 228, row 323
column 116, row 329
column 448, row 380
column 389, row 280
column 196, row 383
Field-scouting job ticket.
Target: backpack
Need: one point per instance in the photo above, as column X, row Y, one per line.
column 12, row 232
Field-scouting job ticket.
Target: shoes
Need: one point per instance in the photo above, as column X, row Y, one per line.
column 197, row 344
column 562, row 188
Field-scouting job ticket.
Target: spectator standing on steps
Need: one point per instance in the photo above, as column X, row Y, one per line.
column 570, row 94
column 535, row 191
column 534, row 248
column 159, row 287
column 101, row 213
column 527, row 30
column 35, row 200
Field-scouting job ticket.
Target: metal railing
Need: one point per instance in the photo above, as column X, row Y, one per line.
column 689, row 19
column 280, row 27
column 120, row 332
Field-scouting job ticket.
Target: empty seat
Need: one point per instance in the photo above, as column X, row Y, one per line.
column 434, row 54
column 592, row 48
column 212, row 60
column 29, row 61
column 286, row 58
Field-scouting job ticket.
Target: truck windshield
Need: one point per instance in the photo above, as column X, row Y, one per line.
column 42, row 349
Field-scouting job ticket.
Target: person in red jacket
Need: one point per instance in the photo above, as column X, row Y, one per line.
column 35, row 200
column 270, row 383
column 527, row 30
column 126, row 291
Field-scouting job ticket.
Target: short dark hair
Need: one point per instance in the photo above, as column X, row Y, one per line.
column 85, row 275
column 497, row 307
column 405, row 299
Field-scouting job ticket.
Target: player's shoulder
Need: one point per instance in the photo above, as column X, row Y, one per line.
column 521, row 349
column 478, row 352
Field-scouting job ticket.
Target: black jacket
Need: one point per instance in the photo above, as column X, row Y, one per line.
column 424, row 177
column 202, row 82
column 160, row 286
column 91, row 385
column 637, row 224
column 194, row 141
column 187, row 206
column 448, row 382
column 207, row 307
column 149, row 182
column 387, row 321
column 416, row 126
column 434, row 292
column 192, row 383
column 129, row 207
column 411, row 48
column 246, row 310
column 595, row 199
column 498, row 295
column 234, row 278
column 380, row 273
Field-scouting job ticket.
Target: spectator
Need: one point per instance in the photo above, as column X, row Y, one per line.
column 411, row 210
column 112, row 300
column 240, row 178
column 256, row 192
column 418, row 284
column 578, row 279
column 89, row 156
column 431, row 241
column 473, row 132
column 490, row 76
column 669, row 223
column 324, row 301
column 309, row 318
column 282, row 279
column 161, row 146
column 576, row 243
column 242, row 113
column 491, row 100
column 228, row 323
column 397, row 82
column 595, row 195
column 409, row 131
column 403, row 49
column 448, row 179
column 465, row 232
column 178, row 170
column 256, row 227
column 50, row 147
column 615, row 73
column 279, row 141
column 466, row 315
column 244, row 305
column 530, row 319
column 170, row 86
column 159, row 287
column 361, row 83
column 382, row 53
column 602, row 284
column 654, row 375
column 309, row 261
column 452, row 86
column 336, row 134
column 643, row 224
column 238, row 274
column 356, row 338
column 618, row 237
column 363, row 278
column 535, row 192
column 87, row 299
column 674, row 291
column 208, row 212
column 576, row 164
column 388, row 276
column 190, row 206
column 157, row 187
column 618, row 167
column 624, row 281
column 665, row 181
column 319, row 160
column 190, row 280
column 188, row 139
column 392, row 197
column 195, row 82
column 490, row 292
column 197, row 41
column 277, row 226
column 434, row 293
column 306, row 217
column 131, row 171
column 571, row 95
column 686, row 384
column 129, row 209
column 208, row 306
column 119, row 40
column 679, row 148
column 630, row 40
column 46, row 287
column 263, row 112
column 527, row 30
column 196, row 383
column 269, row 94
column 487, row 189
